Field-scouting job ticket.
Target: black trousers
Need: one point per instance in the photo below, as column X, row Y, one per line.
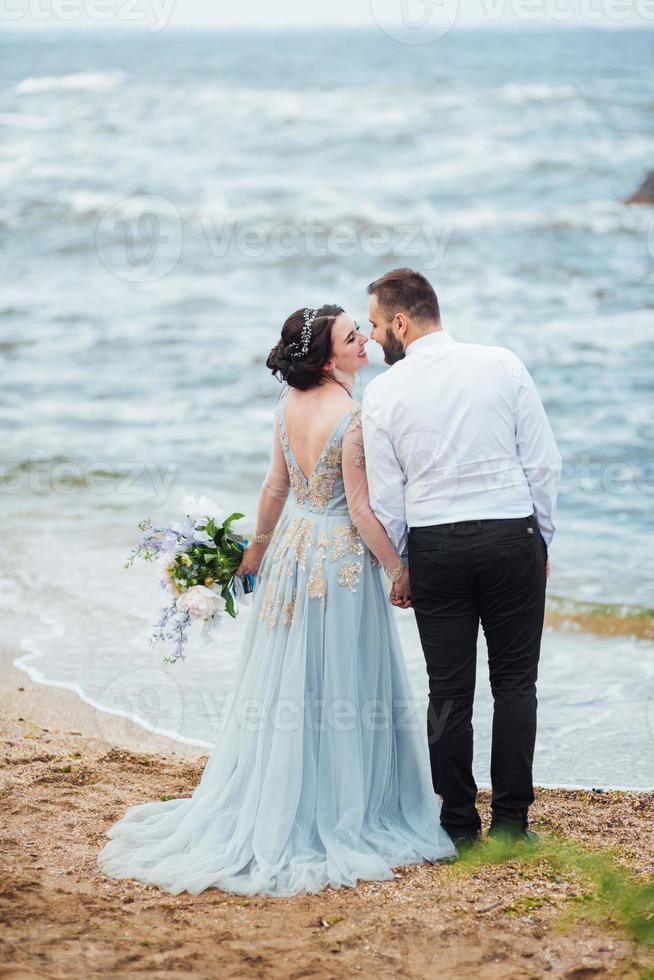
column 493, row 572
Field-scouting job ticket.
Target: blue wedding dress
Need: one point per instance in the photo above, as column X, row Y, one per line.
column 321, row 775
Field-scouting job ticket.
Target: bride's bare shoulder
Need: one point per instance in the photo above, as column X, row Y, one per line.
column 351, row 407
column 350, row 403
column 303, row 402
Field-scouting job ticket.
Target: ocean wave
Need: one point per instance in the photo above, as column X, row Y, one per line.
column 82, row 201
column 57, row 472
column 219, row 213
column 325, row 212
column 85, row 204
column 599, row 217
column 12, row 169
column 35, row 652
column 23, row 120
column 91, row 81
column 537, row 93
column 343, row 106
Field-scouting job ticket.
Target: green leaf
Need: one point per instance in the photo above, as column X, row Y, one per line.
column 230, row 606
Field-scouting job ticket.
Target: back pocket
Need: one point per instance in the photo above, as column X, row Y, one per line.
column 512, row 543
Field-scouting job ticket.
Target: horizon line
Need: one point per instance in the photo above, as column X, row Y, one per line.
column 301, row 26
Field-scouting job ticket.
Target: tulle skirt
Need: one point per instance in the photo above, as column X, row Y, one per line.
column 321, row 774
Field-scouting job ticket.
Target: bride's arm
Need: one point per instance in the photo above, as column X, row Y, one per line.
column 358, row 501
column 272, row 498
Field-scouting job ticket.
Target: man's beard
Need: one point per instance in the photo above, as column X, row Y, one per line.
column 393, row 349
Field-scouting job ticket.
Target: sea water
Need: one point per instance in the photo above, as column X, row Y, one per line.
column 167, row 199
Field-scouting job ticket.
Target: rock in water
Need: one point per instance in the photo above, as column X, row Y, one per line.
column 645, row 193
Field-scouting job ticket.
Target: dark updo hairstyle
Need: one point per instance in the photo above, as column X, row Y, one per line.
column 306, row 371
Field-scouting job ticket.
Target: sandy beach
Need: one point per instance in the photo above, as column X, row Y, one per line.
column 68, row 775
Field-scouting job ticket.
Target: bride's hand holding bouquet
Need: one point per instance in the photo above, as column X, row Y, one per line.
column 202, row 566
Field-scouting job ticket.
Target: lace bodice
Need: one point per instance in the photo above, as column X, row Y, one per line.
column 324, row 489
column 336, row 486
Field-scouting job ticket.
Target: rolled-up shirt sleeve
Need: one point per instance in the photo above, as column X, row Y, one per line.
column 386, row 479
column 538, row 452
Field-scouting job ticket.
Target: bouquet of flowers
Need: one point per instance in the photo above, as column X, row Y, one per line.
column 198, row 559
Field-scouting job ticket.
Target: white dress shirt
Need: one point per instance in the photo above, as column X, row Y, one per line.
column 457, row 432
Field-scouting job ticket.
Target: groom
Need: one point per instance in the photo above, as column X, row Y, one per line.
column 463, row 471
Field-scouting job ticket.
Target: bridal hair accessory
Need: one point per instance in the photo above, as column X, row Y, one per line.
column 303, row 344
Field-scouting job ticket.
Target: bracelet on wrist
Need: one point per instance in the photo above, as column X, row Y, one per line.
column 395, row 573
column 263, row 538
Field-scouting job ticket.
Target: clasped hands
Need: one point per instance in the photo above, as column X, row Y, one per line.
column 401, row 592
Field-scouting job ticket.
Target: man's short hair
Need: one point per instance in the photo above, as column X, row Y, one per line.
column 406, row 291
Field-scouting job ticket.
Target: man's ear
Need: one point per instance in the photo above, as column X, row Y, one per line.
column 402, row 324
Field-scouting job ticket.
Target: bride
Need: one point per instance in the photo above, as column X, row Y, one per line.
column 321, row 776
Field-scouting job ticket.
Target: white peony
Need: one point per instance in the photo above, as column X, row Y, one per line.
column 202, row 506
column 200, row 602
